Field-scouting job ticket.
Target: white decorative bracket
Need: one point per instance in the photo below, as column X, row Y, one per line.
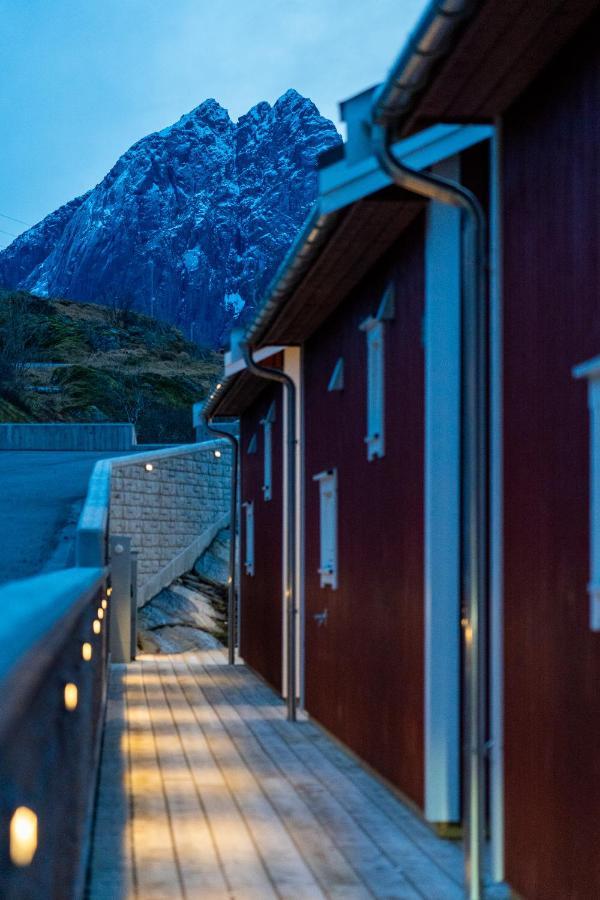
column 336, row 382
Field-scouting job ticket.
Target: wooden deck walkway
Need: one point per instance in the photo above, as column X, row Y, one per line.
column 207, row 792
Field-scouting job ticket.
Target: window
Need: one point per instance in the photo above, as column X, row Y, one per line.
column 374, row 329
column 328, row 568
column 249, row 557
column 591, row 371
column 375, row 439
column 267, row 424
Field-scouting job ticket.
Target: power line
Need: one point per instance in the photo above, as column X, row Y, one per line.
column 12, row 219
column 9, row 233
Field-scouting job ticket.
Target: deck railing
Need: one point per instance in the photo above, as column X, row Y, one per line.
column 53, row 671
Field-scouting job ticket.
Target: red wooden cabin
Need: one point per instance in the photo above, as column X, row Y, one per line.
column 368, row 308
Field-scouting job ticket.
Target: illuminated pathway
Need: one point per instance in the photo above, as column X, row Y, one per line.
column 207, row 792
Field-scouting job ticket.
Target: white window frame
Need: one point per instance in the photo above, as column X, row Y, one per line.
column 328, row 527
column 267, row 424
column 249, row 536
column 375, row 438
column 591, row 371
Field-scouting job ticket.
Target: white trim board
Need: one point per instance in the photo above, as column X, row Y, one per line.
column 343, row 183
column 496, row 518
column 232, row 366
column 442, row 507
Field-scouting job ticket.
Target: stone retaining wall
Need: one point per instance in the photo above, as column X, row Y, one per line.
column 166, row 508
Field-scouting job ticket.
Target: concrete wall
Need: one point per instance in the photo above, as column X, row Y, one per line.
column 59, row 436
column 172, row 511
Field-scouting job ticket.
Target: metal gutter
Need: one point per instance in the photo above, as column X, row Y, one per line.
column 231, row 610
column 215, row 397
column 290, row 514
column 430, row 40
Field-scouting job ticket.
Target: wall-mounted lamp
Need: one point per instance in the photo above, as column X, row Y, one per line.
column 23, row 836
column 71, row 696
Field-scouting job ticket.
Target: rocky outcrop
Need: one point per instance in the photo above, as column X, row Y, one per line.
column 192, row 612
column 190, row 223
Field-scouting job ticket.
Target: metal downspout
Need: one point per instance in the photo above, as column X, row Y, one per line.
column 231, row 611
column 474, row 494
column 290, row 513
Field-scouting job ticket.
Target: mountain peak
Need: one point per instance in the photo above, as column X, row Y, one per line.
column 209, row 113
column 189, row 217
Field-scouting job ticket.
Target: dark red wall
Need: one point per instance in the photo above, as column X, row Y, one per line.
column 261, row 595
column 551, row 322
column 364, row 668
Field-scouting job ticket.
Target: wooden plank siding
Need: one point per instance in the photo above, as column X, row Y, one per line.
column 551, row 185
column 261, row 611
column 364, row 667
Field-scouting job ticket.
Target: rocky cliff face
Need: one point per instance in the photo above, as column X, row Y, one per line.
column 190, row 223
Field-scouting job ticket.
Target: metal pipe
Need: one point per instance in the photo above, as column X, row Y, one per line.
column 290, row 573
column 231, row 605
column 474, row 480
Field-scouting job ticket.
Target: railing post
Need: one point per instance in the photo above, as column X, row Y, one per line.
column 134, row 602
column 120, row 612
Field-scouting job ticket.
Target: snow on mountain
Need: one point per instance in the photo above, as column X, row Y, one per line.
column 191, row 222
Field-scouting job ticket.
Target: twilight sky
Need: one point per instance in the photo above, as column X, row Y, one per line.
column 82, row 80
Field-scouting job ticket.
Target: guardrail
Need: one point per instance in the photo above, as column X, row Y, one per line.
column 97, row 544
column 109, row 436
column 53, row 672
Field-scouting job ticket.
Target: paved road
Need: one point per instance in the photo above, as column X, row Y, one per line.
column 40, row 497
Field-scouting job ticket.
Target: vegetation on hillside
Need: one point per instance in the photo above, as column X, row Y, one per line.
column 62, row 361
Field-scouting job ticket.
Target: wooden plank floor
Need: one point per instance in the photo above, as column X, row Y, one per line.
column 207, row 792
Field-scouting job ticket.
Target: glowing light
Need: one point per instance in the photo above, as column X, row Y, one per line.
column 23, row 836
column 219, row 386
column 71, row 696
column 108, row 591
column 218, row 454
column 104, row 603
column 149, row 467
column 100, row 612
column 96, row 626
column 86, row 651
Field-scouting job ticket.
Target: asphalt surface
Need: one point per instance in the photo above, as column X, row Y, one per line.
column 41, row 493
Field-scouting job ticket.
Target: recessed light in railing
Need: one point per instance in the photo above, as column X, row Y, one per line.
column 71, row 696
column 104, row 603
column 149, row 467
column 108, row 591
column 100, row 613
column 23, row 836
column 96, row 626
column 218, row 454
column 86, row 651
